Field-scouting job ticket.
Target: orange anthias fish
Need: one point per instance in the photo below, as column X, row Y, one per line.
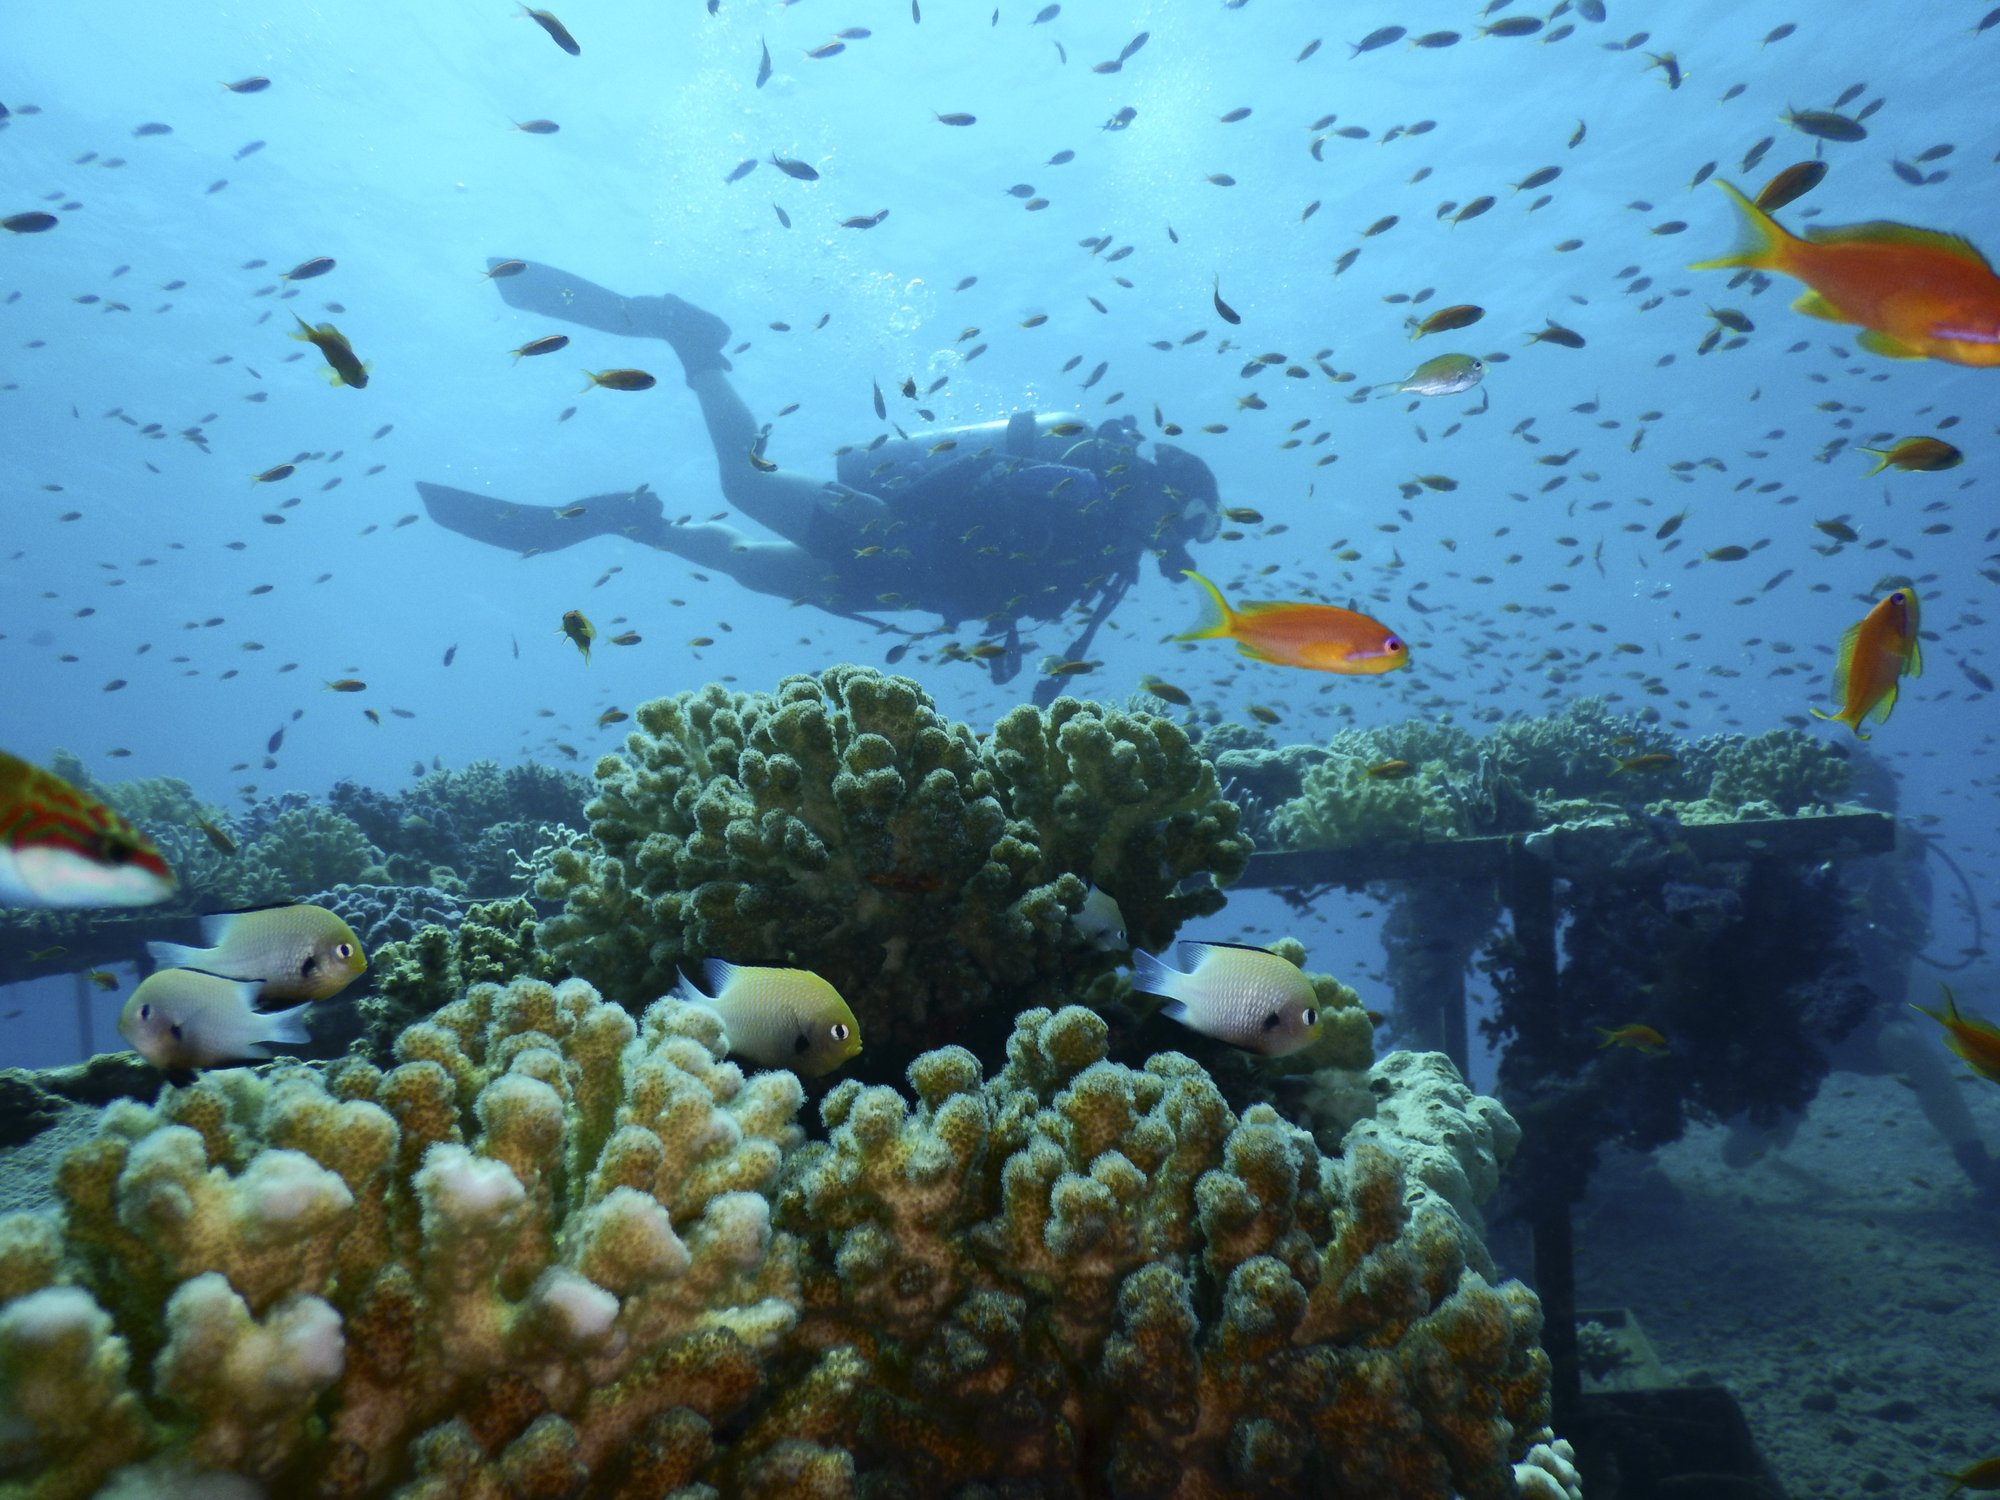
column 1984, row 1475
column 60, row 846
column 1873, row 656
column 1919, row 293
column 1639, row 1038
column 1319, row 637
column 1977, row 1041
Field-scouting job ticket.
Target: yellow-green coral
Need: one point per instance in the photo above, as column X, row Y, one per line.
column 326, row 1286
column 557, row 1251
column 494, row 942
column 1079, row 1274
column 843, row 825
column 1341, row 806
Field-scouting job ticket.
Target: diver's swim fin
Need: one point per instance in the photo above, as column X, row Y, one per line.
column 525, row 529
column 554, row 293
column 696, row 335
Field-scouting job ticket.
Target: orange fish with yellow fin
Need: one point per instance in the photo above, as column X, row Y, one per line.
column 1976, row 1041
column 1919, row 293
column 1874, row 655
column 1318, row 637
column 1638, row 1038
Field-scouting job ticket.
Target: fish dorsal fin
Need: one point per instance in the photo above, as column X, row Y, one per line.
column 1888, row 232
column 1190, row 952
column 1268, row 606
column 717, row 972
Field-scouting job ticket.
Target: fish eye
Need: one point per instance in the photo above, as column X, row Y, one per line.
column 840, row 1031
column 1897, row 597
column 1394, row 643
column 1309, row 1017
column 114, row 849
column 344, row 951
column 145, row 1012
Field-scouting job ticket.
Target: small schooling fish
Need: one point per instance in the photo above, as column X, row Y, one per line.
column 1918, row 454
column 778, row 1018
column 1447, row 375
column 339, row 354
column 1640, row 1039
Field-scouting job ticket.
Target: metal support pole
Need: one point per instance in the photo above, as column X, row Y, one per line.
column 1530, row 894
column 85, row 1037
column 1555, row 1284
column 1451, row 1008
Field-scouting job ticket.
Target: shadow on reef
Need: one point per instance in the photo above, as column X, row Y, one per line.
column 1744, row 968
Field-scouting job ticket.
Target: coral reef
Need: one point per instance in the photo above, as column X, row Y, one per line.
column 1529, row 773
column 384, row 914
column 534, row 1252
column 841, row 824
column 285, row 846
column 555, row 1251
column 1748, row 969
column 494, row 942
column 1340, row 806
column 1081, row 1278
column 459, row 832
column 1782, row 769
column 469, row 822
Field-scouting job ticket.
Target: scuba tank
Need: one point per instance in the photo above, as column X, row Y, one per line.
column 886, row 468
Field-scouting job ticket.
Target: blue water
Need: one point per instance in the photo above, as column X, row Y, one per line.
column 387, row 143
column 388, row 146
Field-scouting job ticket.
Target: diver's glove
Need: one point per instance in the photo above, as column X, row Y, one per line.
column 696, row 334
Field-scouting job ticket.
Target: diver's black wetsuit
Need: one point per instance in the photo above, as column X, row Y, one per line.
column 1025, row 519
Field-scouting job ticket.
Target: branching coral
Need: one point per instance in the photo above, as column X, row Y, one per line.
column 1341, row 806
column 1782, row 768
column 424, row 972
column 537, row 1246
column 555, row 1251
column 286, row 848
column 466, row 821
column 843, row 825
column 1078, row 1278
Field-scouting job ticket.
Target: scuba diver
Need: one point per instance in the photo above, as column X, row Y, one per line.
column 1024, row 519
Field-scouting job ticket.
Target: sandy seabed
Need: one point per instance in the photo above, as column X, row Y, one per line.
column 1842, row 1287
